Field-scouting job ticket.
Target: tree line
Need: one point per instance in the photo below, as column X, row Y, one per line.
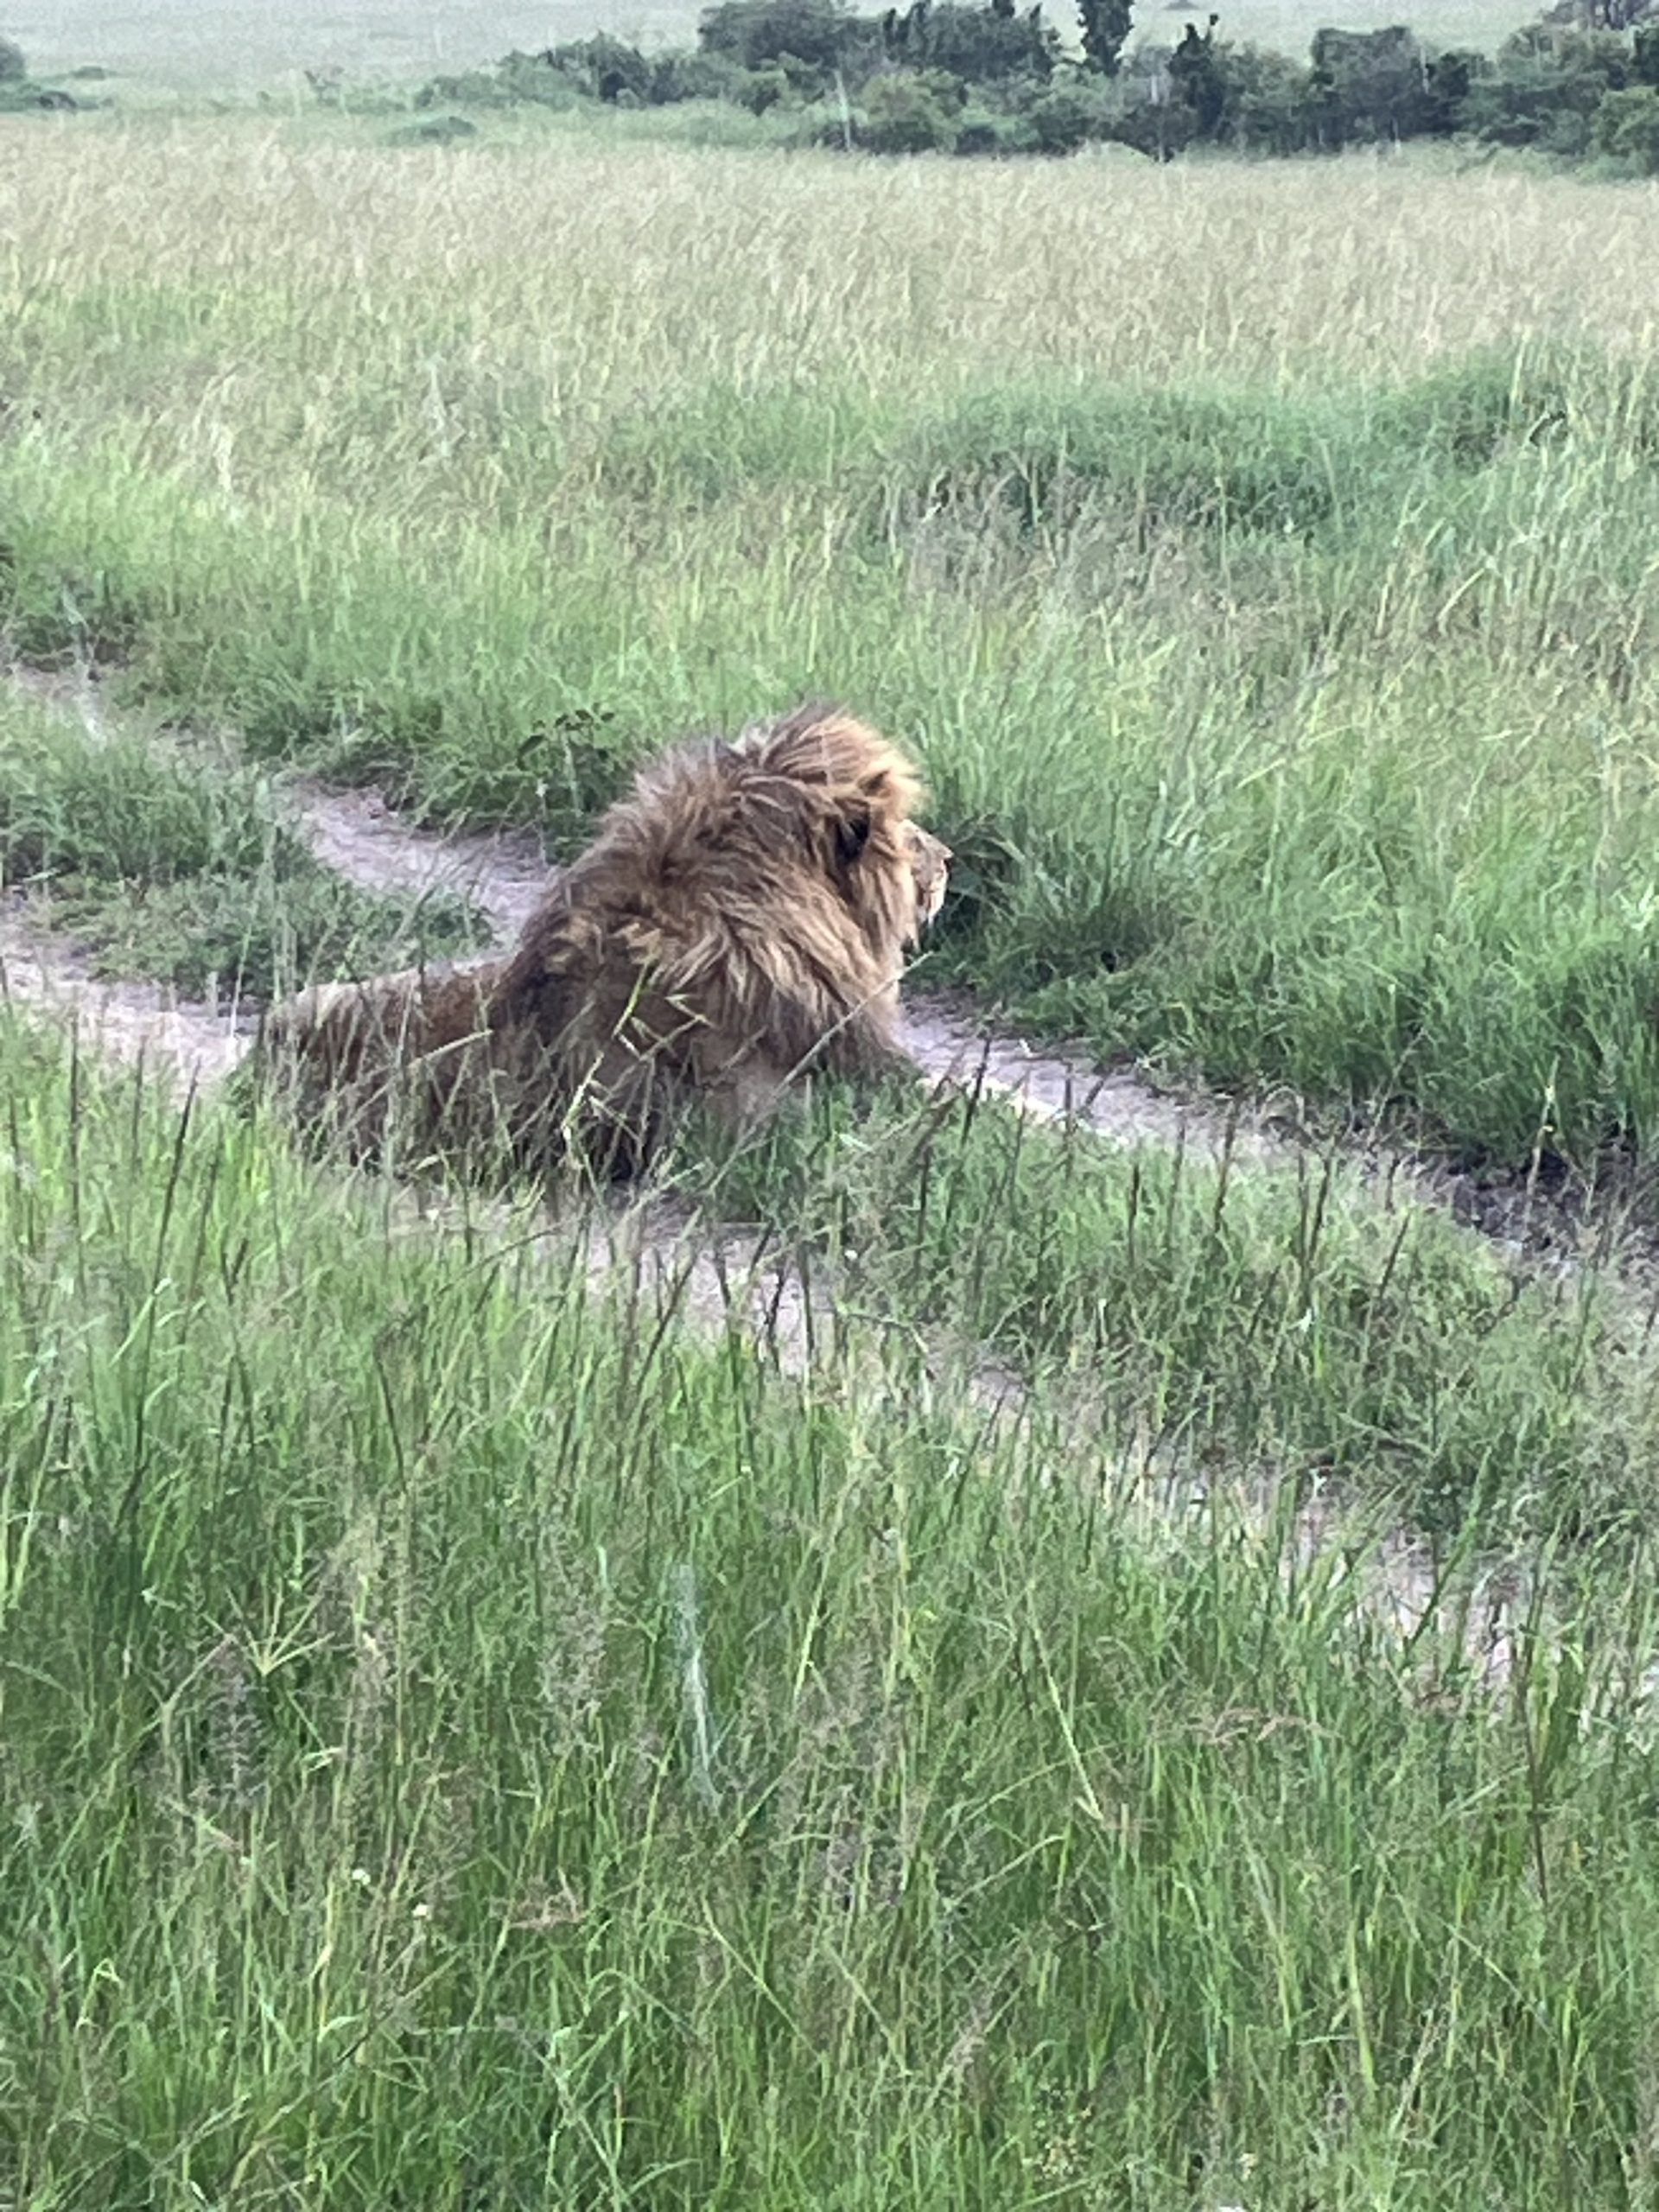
column 947, row 76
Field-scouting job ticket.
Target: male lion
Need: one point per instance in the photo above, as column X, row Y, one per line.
column 408, row 1053
column 741, row 918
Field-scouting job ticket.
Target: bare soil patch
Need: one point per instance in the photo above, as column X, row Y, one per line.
column 191, row 1045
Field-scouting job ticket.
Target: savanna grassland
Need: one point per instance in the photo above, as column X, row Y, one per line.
column 470, row 1741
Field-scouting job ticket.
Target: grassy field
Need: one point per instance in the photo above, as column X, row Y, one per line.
column 465, row 1746
column 473, row 1741
column 1260, row 559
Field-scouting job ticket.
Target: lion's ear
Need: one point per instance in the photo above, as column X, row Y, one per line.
column 855, row 819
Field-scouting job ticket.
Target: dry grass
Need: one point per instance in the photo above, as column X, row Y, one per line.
column 610, row 275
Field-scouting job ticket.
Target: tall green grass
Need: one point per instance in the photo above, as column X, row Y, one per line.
column 182, row 869
column 1280, row 1319
column 1271, row 601
column 465, row 1744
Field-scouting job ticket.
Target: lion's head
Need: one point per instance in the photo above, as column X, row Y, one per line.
column 742, row 915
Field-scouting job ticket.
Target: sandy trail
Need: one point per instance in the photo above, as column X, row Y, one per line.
column 654, row 1249
column 360, row 837
column 186, row 1042
column 359, row 834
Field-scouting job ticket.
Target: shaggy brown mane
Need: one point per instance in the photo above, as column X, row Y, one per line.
column 741, row 916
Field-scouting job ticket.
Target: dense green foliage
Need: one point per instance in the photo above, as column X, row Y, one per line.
column 943, row 75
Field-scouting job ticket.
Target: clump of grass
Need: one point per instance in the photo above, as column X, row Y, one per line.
column 182, row 869
column 457, row 1729
column 1280, row 1318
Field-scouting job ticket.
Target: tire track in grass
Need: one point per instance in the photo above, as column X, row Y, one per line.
column 713, row 1279
column 189, row 1043
column 954, row 1043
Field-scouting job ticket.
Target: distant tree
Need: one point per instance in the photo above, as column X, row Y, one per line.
column 913, row 112
column 1601, row 15
column 1197, row 79
column 757, row 32
column 1073, row 114
column 12, row 64
column 981, row 45
column 1370, row 84
column 1626, row 126
column 604, row 67
column 1544, row 88
column 1266, row 107
column 1106, row 26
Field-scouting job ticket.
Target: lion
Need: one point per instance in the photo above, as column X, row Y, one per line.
column 408, row 1054
column 739, row 920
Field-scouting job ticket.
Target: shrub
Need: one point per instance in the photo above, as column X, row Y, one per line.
column 981, row 133
column 1626, row 126
column 1265, row 103
column 984, row 45
column 604, row 67
column 12, row 64
column 521, row 77
column 758, row 90
column 1367, row 86
column 811, row 40
column 677, row 77
column 911, row 112
column 1544, row 88
column 1072, row 114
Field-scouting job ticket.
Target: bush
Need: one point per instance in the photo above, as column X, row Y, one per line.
column 1265, row 100
column 760, row 90
column 1544, row 88
column 981, row 132
column 603, row 67
column 1626, row 126
column 12, row 64
column 984, row 45
column 520, row 78
column 810, row 39
column 1367, row 86
column 911, row 112
column 1073, row 114
column 677, row 77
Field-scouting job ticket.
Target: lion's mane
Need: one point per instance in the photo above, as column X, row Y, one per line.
column 740, row 919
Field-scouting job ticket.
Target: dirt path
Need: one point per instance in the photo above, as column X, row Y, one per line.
column 357, row 834
column 951, row 1041
column 710, row 1279
column 188, row 1043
